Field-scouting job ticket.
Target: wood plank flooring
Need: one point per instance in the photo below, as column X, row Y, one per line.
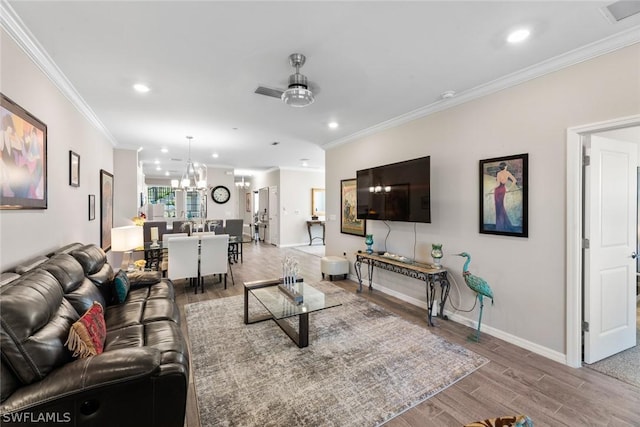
column 515, row 381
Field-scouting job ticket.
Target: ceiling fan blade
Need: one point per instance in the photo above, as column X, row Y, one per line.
column 276, row 93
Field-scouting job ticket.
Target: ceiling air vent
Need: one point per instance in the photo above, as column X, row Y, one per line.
column 621, row 9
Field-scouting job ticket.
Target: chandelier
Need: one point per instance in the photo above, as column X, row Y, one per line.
column 195, row 177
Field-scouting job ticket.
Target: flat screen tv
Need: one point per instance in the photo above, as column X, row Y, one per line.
column 395, row 192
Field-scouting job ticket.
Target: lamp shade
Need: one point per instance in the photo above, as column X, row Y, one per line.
column 126, row 238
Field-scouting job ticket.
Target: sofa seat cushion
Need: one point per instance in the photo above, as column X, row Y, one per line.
column 122, row 315
column 167, row 337
column 160, row 309
column 137, row 295
column 163, row 290
column 127, row 337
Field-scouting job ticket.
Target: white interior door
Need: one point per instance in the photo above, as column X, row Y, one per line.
column 274, row 215
column 610, row 226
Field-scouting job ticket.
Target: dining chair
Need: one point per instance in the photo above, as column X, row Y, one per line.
column 183, row 258
column 164, row 263
column 146, row 227
column 214, row 257
column 233, row 227
column 215, row 225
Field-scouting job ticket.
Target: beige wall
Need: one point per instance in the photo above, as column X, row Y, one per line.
column 527, row 274
column 26, row 233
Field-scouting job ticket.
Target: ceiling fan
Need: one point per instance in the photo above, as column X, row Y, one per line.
column 298, row 93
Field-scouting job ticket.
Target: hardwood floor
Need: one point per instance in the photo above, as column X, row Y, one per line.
column 515, row 381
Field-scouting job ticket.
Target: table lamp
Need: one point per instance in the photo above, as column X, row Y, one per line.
column 126, row 239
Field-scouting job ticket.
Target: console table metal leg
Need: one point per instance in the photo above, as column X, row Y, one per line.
column 431, row 294
column 357, row 266
column 370, row 271
column 445, row 287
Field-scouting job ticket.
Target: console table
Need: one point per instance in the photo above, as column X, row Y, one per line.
column 311, row 224
column 416, row 270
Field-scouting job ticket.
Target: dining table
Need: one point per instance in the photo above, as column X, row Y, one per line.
column 153, row 252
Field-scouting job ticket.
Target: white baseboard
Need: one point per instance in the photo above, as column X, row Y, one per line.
column 498, row 333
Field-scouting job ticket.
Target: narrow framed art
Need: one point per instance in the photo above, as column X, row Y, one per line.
column 23, row 161
column 349, row 223
column 504, row 191
column 106, row 209
column 74, row 169
column 92, row 207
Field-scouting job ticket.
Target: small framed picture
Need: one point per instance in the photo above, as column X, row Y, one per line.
column 74, row 169
column 504, row 195
column 92, row 207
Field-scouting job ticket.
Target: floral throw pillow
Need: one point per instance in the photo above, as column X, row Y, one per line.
column 87, row 335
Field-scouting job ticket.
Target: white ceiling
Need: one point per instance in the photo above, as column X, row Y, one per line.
column 368, row 62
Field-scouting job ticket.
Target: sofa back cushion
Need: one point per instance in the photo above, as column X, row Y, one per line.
column 95, row 266
column 91, row 257
column 77, row 289
column 34, row 325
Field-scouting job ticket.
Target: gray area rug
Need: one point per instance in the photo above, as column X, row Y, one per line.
column 364, row 365
column 625, row 365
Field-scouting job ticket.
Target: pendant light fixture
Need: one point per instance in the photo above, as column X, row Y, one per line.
column 195, row 177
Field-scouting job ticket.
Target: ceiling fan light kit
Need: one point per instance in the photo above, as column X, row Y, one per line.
column 298, row 93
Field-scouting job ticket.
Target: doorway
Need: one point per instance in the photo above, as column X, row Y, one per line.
column 575, row 224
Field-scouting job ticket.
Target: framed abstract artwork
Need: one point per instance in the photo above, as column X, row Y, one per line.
column 349, row 223
column 74, row 169
column 23, row 162
column 504, row 195
column 106, row 209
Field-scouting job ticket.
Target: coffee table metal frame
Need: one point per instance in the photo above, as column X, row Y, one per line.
column 301, row 336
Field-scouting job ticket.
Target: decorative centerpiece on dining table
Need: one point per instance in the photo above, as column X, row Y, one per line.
column 290, row 271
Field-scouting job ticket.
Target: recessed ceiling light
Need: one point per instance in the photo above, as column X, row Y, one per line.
column 165, row 150
column 158, row 168
column 157, row 162
column 166, row 173
column 214, row 155
column 333, row 125
column 448, row 94
column 140, row 87
column 518, row 35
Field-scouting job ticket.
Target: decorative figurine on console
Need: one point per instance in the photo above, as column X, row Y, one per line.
column 368, row 240
column 436, row 254
column 480, row 287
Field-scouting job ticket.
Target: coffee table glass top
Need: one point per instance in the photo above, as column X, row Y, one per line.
column 281, row 306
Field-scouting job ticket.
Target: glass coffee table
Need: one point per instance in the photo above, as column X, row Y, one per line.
column 281, row 307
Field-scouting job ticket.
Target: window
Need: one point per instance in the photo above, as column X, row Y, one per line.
column 164, row 195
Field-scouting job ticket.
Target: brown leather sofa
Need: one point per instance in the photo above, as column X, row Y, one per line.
column 139, row 380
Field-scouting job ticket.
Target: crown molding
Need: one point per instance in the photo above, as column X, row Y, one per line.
column 15, row 28
column 576, row 56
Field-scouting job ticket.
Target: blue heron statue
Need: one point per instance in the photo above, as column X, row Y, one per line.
column 479, row 286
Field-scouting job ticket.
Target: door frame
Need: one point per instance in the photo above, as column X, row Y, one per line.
column 574, row 225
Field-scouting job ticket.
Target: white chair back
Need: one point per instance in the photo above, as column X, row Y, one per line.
column 167, row 236
column 203, row 233
column 183, row 257
column 214, row 256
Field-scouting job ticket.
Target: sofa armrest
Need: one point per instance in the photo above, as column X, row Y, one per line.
column 81, row 375
column 139, row 279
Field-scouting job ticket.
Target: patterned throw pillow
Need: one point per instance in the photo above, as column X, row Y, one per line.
column 87, row 335
column 121, row 286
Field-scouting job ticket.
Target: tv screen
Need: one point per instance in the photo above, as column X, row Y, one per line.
column 395, row 192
